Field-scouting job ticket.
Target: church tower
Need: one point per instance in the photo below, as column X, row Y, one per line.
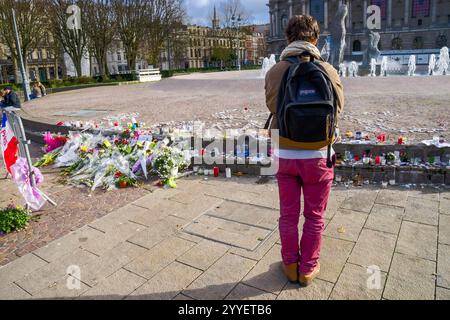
column 215, row 21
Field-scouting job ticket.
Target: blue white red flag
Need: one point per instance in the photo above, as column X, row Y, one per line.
column 9, row 144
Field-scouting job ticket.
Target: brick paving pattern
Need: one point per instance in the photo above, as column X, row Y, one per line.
column 218, row 239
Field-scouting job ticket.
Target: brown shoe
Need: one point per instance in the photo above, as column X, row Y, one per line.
column 307, row 279
column 291, row 272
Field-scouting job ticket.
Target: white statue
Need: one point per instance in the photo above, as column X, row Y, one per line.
column 373, row 67
column 272, row 60
column 343, row 70
column 412, row 66
column 443, row 62
column 384, row 66
column 353, row 69
column 267, row 65
column 432, row 65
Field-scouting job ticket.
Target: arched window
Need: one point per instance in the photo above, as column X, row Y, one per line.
column 356, row 46
column 418, row 43
column 397, row 44
column 441, row 41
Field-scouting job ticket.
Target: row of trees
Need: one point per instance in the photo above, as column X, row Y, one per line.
column 80, row 26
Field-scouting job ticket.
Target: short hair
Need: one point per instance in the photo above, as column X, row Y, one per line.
column 302, row 27
column 8, row 88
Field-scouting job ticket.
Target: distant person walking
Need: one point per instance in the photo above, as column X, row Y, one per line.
column 306, row 159
column 10, row 98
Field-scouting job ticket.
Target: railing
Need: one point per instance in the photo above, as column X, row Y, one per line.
column 149, row 75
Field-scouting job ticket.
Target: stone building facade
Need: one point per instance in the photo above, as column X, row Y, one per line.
column 407, row 26
column 42, row 64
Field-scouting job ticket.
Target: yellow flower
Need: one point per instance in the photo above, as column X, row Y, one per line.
column 84, row 149
column 106, row 143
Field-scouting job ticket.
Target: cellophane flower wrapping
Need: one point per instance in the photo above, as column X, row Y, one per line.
column 115, row 161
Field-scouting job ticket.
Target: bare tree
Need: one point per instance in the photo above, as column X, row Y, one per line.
column 233, row 8
column 131, row 17
column 73, row 39
column 165, row 19
column 31, row 19
column 100, row 30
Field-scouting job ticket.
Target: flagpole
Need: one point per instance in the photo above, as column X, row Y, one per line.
column 25, row 83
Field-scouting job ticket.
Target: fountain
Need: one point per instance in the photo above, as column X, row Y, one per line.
column 268, row 63
column 443, row 62
column 432, row 65
column 373, row 67
column 384, row 67
column 353, row 69
column 343, row 70
column 412, row 66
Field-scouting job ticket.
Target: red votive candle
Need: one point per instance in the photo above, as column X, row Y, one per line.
column 400, row 140
column 377, row 160
column 216, row 172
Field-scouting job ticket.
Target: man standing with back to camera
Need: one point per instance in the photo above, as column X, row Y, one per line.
column 303, row 169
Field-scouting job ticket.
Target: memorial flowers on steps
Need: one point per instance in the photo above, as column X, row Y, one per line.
column 118, row 161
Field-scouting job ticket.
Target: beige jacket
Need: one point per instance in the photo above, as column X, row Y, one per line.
column 275, row 76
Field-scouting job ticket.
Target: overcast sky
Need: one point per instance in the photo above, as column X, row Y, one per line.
column 199, row 10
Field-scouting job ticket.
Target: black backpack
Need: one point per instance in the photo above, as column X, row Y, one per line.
column 306, row 106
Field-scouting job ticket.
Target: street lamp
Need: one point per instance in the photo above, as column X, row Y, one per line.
column 236, row 24
column 25, row 84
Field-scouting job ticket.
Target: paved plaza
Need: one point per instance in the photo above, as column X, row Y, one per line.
column 411, row 106
column 218, row 239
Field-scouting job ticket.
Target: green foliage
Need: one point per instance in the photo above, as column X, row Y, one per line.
column 167, row 73
column 13, row 219
column 16, row 87
column 226, row 55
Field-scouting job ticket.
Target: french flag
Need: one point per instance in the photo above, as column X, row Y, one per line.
column 9, row 144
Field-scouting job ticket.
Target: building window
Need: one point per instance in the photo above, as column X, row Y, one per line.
column 317, row 10
column 383, row 6
column 421, row 8
column 284, row 21
column 356, row 46
column 419, row 22
column 418, row 43
column 119, row 56
column 441, row 41
column 397, row 44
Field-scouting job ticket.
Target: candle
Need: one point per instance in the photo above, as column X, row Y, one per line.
column 228, row 173
column 400, row 140
column 216, row 171
column 377, row 160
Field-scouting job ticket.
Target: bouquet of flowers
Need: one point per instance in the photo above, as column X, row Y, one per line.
column 116, row 161
column 167, row 163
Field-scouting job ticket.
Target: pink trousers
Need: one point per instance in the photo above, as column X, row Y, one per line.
column 314, row 178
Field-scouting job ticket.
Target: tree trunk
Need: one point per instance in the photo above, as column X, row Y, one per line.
column 77, row 63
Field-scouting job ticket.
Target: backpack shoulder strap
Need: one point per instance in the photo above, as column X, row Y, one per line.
column 292, row 60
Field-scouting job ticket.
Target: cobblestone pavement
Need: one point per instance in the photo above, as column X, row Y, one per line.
column 394, row 105
column 216, row 239
column 76, row 208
